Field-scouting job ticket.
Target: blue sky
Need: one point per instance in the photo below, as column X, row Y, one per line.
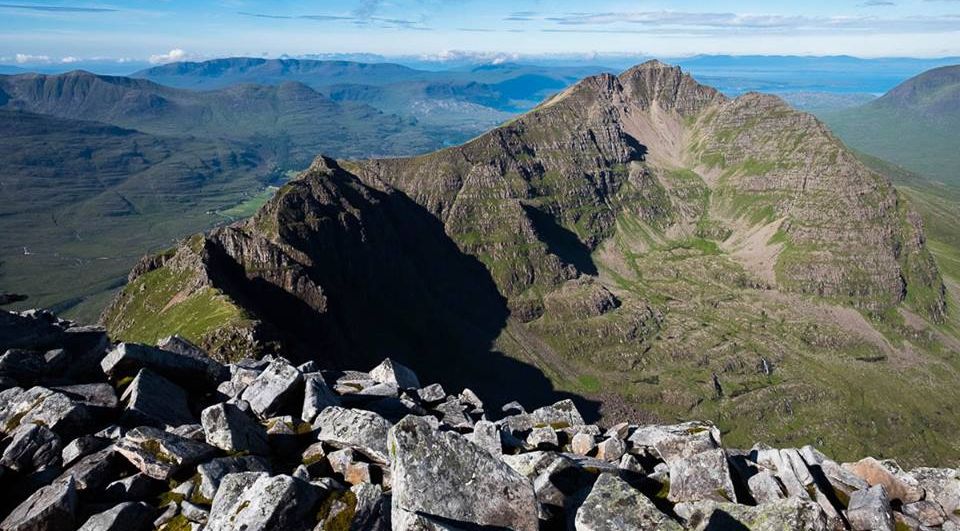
column 163, row 30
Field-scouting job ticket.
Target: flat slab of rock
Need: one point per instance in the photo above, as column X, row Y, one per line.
column 95, row 470
column 788, row 514
column 272, row 388
column 613, row 505
column 160, row 454
column 704, row 476
column 127, row 516
column 126, row 359
column 229, row 428
column 156, row 401
column 94, row 396
column 52, row 508
column 677, row 441
column 39, row 405
column 361, row 430
column 563, row 414
column 268, row 503
column 431, row 471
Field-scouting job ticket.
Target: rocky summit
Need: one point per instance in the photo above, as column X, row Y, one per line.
column 640, row 241
column 103, row 436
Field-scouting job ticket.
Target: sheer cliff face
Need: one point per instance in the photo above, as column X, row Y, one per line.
column 629, row 225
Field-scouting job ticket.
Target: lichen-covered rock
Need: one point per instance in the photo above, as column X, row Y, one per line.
column 926, row 512
column 563, row 414
column 702, row 476
column 39, row 405
column 272, row 388
column 52, row 508
column 613, row 505
column 391, row 372
column 788, row 514
column 160, row 454
column 127, row 516
column 278, row 502
column 363, row 431
column 941, row 485
column 229, row 428
column 869, row 510
column 429, row 471
column 155, row 401
column 677, row 441
column 486, row 435
column 212, row 472
column 765, row 487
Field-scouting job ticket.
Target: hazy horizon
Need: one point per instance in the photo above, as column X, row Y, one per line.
column 52, row 32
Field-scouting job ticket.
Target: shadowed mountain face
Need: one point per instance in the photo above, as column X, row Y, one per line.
column 913, row 125
column 636, row 239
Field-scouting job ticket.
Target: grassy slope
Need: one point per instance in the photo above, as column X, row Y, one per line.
column 927, row 147
column 86, row 211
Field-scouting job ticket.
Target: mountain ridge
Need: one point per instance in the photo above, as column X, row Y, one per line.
column 612, row 231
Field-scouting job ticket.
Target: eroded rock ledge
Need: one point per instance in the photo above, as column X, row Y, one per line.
column 99, row 436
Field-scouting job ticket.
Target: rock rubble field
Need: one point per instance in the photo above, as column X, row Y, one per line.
column 102, row 436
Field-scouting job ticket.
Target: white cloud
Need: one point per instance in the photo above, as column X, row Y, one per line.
column 69, row 59
column 450, row 56
column 172, row 56
column 22, row 58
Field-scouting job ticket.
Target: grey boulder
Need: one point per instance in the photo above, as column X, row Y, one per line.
column 869, row 510
column 212, row 472
column 317, row 395
column 52, row 508
column 703, row 476
column 33, row 446
column 781, row 515
column 127, row 516
column 266, row 503
column 155, row 401
column 272, row 388
column 361, row 430
column 613, row 505
column 391, row 372
column 229, row 428
column 431, row 471
column 160, row 454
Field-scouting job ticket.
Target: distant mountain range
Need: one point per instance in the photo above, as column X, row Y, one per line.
column 457, row 102
column 914, row 125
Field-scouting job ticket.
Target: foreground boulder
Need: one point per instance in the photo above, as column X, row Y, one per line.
column 127, row 516
column 258, row 502
column 361, row 430
column 782, row 515
column 430, row 470
column 52, row 508
column 613, row 504
column 229, row 428
column 264, row 444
